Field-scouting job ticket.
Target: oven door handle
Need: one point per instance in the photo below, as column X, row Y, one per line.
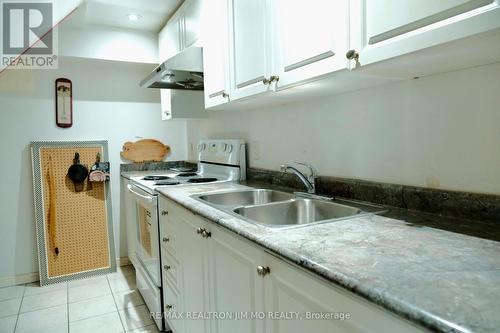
column 147, row 198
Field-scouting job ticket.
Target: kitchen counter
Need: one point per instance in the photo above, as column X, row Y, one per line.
column 447, row 282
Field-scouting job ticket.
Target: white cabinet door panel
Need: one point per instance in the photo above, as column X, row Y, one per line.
column 216, row 53
column 169, row 40
column 290, row 290
column 250, row 47
column 235, row 285
column 311, row 38
column 192, row 20
column 194, row 270
column 389, row 18
column 383, row 29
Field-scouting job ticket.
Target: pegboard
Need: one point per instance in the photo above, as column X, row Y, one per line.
column 76, row 220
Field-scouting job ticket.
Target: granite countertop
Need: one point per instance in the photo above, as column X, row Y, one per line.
column 447, row 282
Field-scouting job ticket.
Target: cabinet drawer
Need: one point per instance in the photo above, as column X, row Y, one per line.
column 172, row 305
column 169, row 242
column 171, row 270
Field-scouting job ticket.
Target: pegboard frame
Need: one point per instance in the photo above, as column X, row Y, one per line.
column 41, row 236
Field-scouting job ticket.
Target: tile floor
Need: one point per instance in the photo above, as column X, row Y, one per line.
column 108, row 304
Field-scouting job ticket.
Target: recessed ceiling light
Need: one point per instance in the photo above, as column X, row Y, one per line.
column 134, row 17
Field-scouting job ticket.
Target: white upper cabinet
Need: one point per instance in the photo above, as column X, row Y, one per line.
column 192, row 11
column 169, row 40
column 383, row 29
column 250, row 47
column 311, row 39
column 216, row 53
column 181, row 31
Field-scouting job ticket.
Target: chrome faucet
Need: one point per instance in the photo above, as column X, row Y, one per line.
column 309, row 181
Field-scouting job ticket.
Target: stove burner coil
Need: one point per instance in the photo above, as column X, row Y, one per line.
column 155, row 177
column 202, row 180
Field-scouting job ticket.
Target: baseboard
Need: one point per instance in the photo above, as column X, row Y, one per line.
column 123, row 261
column 8, row 281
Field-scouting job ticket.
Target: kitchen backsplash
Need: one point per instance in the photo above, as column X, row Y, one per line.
column 467, row 205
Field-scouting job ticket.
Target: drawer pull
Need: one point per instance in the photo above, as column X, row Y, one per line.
column 206, row 234
column 166, row 267
column 263, row 271
column 168, row 307
column 199, row 231
column 166, row 239
column 164, row 212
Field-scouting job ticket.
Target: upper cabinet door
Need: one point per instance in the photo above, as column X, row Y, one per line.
column 192, row 22
column 216, row 53
column 382, row 29
column 251, row 47
column 311, row 39
column 169, row 40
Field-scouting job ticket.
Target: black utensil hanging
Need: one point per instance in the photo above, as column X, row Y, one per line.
column 77, row 172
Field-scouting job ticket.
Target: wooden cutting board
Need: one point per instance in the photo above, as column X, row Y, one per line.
column 146, row 150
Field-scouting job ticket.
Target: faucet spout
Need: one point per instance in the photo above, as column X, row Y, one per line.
column 309, row 181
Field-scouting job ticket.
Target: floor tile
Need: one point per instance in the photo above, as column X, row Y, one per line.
column 129, row 298
column 91, row 308
column 35, row 288
column 122, row 283
column 147, row 329
column 10, row 307
column 87, row 281
column 135, row 317
column 108, row 323
column 45, row 300
column 123, row 271
column 7, row 324
column 47, row 320
column 95, row 289
column 11, row 292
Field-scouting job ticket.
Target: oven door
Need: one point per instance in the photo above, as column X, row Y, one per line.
column 147, row 242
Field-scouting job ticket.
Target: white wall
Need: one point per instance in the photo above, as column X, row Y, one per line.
column 107, row 105
column 108, row 43
column 441, row 131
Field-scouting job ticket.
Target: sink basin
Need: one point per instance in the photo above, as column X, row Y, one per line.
column 245, row 197
column 296, row 212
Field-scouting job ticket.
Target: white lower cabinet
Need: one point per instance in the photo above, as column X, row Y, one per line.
column 234, row 284
column 222, row 274
column 289, row 289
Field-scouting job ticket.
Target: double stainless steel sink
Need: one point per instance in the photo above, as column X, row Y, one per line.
column 281, row 209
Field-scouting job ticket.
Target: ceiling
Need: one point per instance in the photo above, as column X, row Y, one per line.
column 113, row 13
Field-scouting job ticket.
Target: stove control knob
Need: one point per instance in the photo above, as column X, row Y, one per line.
column 225, row 147
column 229, row 149
column 202, row 147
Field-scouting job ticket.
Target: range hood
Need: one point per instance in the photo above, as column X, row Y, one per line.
column 182, row 71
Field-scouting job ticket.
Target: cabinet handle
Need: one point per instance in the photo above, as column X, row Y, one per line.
column 166, row 239
column 225, row 94
column 271, row 79
column 206, row 234
column 199, row 231
column 164, row 212
column 166, row 267
column 352, row 55
column 263, row 271
column 168, row 307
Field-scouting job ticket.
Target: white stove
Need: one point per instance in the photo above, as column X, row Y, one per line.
column 219, row 161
